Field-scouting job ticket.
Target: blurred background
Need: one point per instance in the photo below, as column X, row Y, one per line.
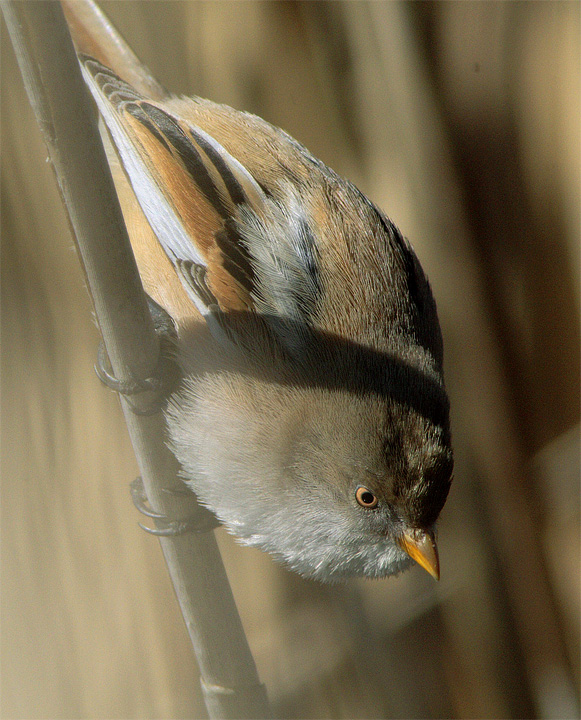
column 461, row 121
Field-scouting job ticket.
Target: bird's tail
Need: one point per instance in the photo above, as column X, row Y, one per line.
column 93, row 34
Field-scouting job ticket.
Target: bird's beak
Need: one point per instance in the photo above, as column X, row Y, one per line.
column 420, row 545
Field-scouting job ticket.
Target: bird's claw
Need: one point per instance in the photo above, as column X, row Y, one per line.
column 166, row 372
column 202, row 521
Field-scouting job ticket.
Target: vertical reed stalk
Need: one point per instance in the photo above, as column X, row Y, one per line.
column 68, row 122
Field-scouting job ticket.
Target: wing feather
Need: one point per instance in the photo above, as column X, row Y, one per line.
column 187, row 184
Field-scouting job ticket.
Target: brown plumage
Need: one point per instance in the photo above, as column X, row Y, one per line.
column 308, row 335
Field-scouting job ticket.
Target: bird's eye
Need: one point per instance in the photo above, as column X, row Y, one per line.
column 366, row 498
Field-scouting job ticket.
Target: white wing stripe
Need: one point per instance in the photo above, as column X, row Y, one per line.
column 159, row 212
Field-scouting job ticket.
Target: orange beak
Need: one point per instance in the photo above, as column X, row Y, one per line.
column 420, row 545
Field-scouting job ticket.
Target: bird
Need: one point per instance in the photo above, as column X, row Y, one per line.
column 311, row 416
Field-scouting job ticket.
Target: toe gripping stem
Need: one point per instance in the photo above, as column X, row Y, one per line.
column 202, row 521
column 165, row 376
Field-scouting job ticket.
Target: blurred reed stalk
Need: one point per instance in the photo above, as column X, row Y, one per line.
column 64, row 112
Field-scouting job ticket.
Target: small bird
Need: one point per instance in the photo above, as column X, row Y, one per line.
column 311, row 417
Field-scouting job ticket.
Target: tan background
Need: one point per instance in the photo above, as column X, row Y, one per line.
column 461, row 120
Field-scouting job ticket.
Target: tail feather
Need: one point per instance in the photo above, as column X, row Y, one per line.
column 94, row 35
